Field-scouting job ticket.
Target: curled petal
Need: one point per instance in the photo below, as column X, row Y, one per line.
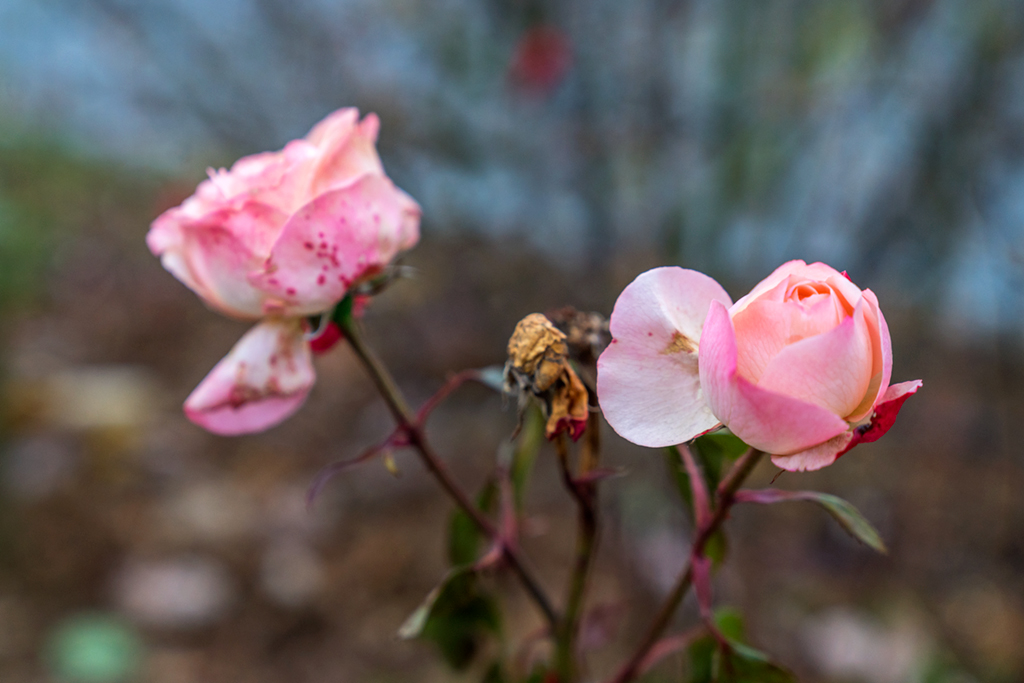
column 335, row 240
column 815, row 457
column 764, row 419
column 828, row 452
column 334, row 129
column 263, row 379
column 648, row 383
column 886, row 411
column 349, row 150
column 881, row 367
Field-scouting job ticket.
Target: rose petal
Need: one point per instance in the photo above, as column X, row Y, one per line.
column 881, row 362
column 831, row 370
column 349, row 151
column 333, row 128
column 327, row 339
column 815, row 457
column 886, row 411
column 262, row 380
column 826, row 453
column 766, row 326
column 335, row 240
column 763, row 419
column 647, row 381
column 815, row 271
column 213, row 255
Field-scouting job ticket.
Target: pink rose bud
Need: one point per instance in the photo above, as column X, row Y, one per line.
column 798, row 368
column 285, row 235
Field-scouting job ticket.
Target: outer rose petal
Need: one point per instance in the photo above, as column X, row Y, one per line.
column 647, row 379
column 263, row 379
column 334, row 127
column 764, row 419
column 347, row 150
column 816, row 457
column 882, row 360
column 215, row 254
column 827, row 453
column 335, row 240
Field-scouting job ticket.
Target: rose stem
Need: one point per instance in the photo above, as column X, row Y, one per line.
column 585, row 494
column 724, row 499
column 417, row 439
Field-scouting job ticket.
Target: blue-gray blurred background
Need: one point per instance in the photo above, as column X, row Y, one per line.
column 558, row 148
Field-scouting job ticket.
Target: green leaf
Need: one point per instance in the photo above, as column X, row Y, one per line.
column 538, row 675
column 715, row 452
column 457, row 613
column 717, row 548
column 455, row 616
column 730, row 624
column 342, row 314
column 702, row 658
column 528, row 444
column 852, row 520
column 747, row 665
column 463, row 535
column 742, row 664
column 463, row 539
column 844, row 512
column 495, row 674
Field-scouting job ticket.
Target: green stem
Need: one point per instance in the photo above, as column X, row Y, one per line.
column 585, row 495
column 724, row 498
column 406, row 420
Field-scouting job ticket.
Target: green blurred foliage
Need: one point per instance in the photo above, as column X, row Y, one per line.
column 459, row 613
column 94, row 648
column 709, row 663
column 48, row 195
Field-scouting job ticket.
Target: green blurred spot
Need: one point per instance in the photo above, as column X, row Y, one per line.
column 94, row 648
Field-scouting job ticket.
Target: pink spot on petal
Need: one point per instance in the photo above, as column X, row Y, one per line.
column 290, row 291
column 320, row 280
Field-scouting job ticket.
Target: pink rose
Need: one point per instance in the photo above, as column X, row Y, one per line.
column 281, row 236
column 798, row 368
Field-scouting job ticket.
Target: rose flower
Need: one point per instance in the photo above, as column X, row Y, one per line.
column 799, row 367
column 282, row 236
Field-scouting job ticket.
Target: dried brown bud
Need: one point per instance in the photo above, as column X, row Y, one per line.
column 586, row 333
column 538, row 365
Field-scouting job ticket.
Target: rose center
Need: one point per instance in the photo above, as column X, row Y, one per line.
column 809, row 292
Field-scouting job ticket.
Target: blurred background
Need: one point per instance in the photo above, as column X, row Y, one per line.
column 558, row 148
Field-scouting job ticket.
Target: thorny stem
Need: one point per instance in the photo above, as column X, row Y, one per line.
column 724, row 498
column 585, row 494
column 407, row 421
